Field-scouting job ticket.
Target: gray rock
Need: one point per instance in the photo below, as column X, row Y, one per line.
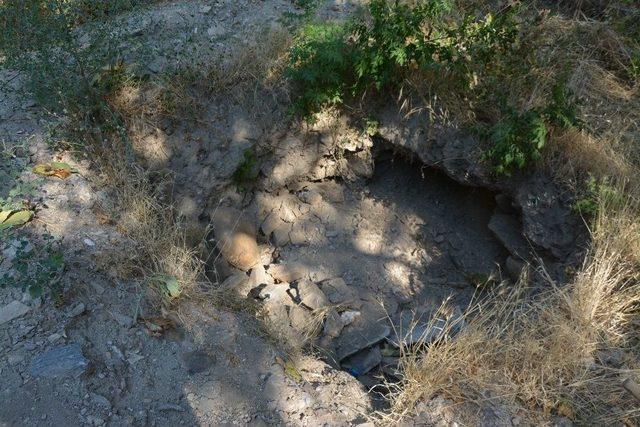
column 238, row 283
column 366, row 330
column 60, row 362
column 77, row 310
column 508, row 231
column 288, row 272
column 363, row 361
column 259, row 277
column 100, row 400
column 311, row 295
column 333, row 324
column 424, row 326
column 123, row 320
column 337, row 291
column 278, row 292
column 197, row 361
column 13, row 310
column 300, row 318
column 514, row 267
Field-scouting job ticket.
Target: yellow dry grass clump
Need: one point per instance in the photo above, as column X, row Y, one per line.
column 548, row 351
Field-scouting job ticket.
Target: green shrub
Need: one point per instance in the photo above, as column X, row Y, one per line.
column 330, row 62
column 36, row 267
column 517, row 139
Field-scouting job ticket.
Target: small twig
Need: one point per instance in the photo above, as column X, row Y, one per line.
column 632, row 387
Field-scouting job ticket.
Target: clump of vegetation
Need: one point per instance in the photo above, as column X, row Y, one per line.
column 331, row 62
column 36, row 267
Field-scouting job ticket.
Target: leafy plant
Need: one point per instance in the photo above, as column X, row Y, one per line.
column 593, row 194
column 36, row 268
column 329, row 62
column 517, row 139
column 561, row 111
column 321, row 63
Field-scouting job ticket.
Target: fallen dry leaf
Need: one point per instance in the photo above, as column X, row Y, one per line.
column 157, row 326
column 58, row 169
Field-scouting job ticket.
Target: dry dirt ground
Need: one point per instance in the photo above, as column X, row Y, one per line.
column 370, row 235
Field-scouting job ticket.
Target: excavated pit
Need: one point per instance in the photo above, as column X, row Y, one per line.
column 380, row 256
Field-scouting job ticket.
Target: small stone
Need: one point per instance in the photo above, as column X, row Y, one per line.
column 348, row 317
column 238, row 283
column 282, row 234
column 89, row 242
column 311, row 197
column 300, row 318
column 100, row 400
column 333, row 324
column 65, row 361
column 259, row 277
column 13, row 310
column 77, row 310
column 311, row 295
column 123, row 320
column 204, row 9
column 288, row 272
column 278, row 292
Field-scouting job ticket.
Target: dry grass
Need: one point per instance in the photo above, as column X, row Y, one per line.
column 547, row 352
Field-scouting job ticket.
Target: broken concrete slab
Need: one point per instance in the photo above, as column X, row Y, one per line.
column 363, row 361
column 13, row 310
column 61, row 362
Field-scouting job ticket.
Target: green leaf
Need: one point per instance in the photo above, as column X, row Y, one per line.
column 169, row 285
column 9, row 219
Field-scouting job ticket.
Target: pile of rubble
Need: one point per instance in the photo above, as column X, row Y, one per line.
column 351, row 326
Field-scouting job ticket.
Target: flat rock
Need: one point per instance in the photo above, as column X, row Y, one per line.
column 311, row 295
column 60, row 362
column 13, row 310
column 364, row 332
column 363, row 361
column 424, row 326
column 235, row 238
column 278, row 292
column 288, row 272
column 238, row 283
column 508, row 231
column 337, row 291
